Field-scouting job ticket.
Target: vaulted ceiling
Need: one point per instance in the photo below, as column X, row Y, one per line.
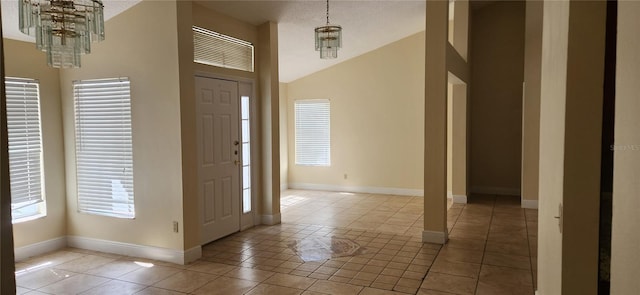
column 367, row 25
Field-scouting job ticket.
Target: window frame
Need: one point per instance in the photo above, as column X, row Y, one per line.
column 111, row 100
column 304, row 148
column 34, row 207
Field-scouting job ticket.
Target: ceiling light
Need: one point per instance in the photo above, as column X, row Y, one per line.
column 64, row 29
column 328, row 39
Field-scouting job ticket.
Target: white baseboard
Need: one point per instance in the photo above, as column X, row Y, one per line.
column 271, row 219
column 192, row 254
column 358, row 189
column 460, row 199
column 490, row 190
column 284, row 186
column 435, row 237
column 449, row 195
column 22, row 253
column 529, row 204
column 126, row 249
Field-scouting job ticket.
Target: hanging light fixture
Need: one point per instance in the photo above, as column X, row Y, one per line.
column 328, row 39
column 64, row 29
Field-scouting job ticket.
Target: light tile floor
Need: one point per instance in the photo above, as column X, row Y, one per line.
column 492, row 250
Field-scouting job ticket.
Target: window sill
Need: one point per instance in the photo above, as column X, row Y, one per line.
column 28, row 218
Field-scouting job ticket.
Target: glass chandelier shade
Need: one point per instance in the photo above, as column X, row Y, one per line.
column 328, row 39
column 64, row 29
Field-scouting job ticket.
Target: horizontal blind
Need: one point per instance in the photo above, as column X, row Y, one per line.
column 25, row 146
column 313, row 136
column 220, row 50
column 104, row 156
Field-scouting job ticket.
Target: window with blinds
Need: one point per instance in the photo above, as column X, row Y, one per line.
column 313, row 136
column 104, row 156
column 25, row 146
column 220, row 50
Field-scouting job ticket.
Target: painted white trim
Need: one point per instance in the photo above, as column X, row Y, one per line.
column 449, row 195
column 284, row 186
column 141, row 251
column 529, row 204
column 358, row 189
column 490, row 190
column 460, row 199
column 271, row 219
column 192, row 254
column 24, row 252
column 434, row 237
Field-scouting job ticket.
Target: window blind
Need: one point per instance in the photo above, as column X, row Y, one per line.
column 104, row 156
column 220, row 50
column 312, row 131
column 25, row 146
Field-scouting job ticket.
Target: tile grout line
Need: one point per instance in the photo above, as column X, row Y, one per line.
column 526, row 226
column 486, row 241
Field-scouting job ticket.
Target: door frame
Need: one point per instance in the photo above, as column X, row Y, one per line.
column 251, row 219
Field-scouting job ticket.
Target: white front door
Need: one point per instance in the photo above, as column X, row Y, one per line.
column 217, row 112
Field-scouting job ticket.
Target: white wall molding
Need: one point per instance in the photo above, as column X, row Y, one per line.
column 271, row 219
column 192, row 254
column 40, row 248
column 460, row 199
column 284, row 186
column 134, row 250
column 491, row 190
column 434, row 237
column 529, row 204
column 358, row 189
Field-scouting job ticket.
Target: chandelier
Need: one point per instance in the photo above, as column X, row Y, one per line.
column 64, row 29
column 328, row 39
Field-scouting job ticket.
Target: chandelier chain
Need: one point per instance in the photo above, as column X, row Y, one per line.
column 327, row 12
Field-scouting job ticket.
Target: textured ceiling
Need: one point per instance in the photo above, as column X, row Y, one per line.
column 367, row 25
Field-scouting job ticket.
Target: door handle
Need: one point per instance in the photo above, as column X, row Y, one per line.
column 236, row 162
column 236, row 142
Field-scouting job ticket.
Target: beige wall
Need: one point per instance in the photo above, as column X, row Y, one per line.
column 570, row 141
column 152, row 67
column 625, row 261
column 531, row 102
column 25, row 61
column 377, row 111
column 496, row 97
column 284, row 148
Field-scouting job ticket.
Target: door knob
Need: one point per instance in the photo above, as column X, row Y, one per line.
column 236, row 142
column 236, row 162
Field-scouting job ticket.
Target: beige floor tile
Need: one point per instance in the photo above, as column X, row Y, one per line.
column 114, row 269
column 291, row 281
column 456, row 268
column 328, row 287
column 504, row 280
column 374, row 291
column 460, row 255
column 266, row 289
column 74, row 285
column 250, row 274
column 185, row 281
column 449, row 283
column 84, row 263
column 115, row 287
column 515, row 261
column 158, row 291
column 514, row 248
column 432, row 292
column 224, row 285
column 41, row 278
column 148, row 275
column 211, row 267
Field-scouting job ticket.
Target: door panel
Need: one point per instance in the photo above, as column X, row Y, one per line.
column 217, row 116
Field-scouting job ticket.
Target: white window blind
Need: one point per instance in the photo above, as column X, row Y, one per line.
column 220, row 50
column 25, row 147
column 313, row 136
column 104, row 157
